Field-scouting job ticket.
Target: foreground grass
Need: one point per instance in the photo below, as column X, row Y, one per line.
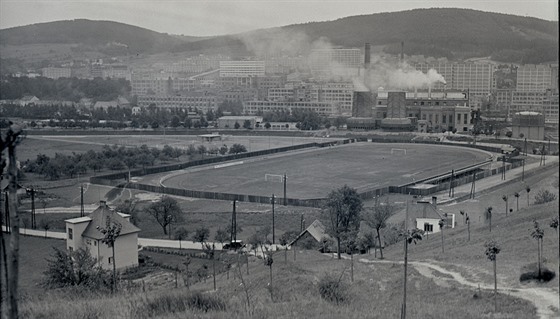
column 375, row 293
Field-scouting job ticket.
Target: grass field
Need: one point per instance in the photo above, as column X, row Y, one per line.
column 375, row 293
column 313, row 174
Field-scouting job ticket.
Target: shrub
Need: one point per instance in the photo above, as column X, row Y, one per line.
column 544, row 196
column 546, row 275
column 333, row 289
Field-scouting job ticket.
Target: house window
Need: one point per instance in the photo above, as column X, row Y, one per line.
column 428, row 227
column 110, row 259
column 71, row 248
column 95, row 243
column 70, row 233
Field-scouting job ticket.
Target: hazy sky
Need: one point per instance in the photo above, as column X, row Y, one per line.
column 211, row 17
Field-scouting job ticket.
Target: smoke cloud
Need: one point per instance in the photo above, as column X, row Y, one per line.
column 383, row 72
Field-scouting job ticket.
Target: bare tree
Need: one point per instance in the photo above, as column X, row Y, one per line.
column 376, row 218
column 517, row 197
column 111, row 232
column 210, row 251
column 165, row 212
column 492, row 250
column 489, row 216
column 538, row 234
column 440, row 223
column 528, row 189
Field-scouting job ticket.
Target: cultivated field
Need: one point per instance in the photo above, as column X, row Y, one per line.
column 313, row 173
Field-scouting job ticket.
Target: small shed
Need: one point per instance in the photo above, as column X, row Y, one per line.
column 312, row 237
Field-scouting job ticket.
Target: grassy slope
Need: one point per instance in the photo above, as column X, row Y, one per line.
column 376, row 292
column 512, row 233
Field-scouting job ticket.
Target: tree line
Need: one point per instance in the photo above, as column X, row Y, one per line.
column 67, row 89
column 110, row 157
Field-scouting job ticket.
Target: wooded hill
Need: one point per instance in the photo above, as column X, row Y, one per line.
column 446, row 32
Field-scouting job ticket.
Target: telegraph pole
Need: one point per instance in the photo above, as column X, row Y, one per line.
column 82, row 201
column 273, row 200
column 285, row 202
column 233, row 224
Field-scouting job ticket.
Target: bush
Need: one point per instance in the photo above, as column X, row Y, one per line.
column 544, row 196
column 333, row 289
column 76, row 268
column 546, row 275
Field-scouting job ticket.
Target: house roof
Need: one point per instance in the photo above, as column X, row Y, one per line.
column 422, row 209
column 99, row 218
column 317, row 230
column 78, row 220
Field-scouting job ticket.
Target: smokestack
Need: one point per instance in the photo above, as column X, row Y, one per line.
column 434, row 201
column 402, row 51
column 429, row 91
column 415, row 92
column 367, row 55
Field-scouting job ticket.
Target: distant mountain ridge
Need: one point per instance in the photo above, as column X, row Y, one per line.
column 445, row 32
column 94, row 33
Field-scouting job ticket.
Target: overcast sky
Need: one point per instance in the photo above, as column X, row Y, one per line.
column 210, row 17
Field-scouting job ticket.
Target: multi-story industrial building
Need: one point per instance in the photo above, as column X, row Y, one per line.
column 55, row 73
column 116, row 71
column 259, row 107
column 534, row 78
column 477, row 78
column 203, row 101
column 339, row 94
column 246, row 68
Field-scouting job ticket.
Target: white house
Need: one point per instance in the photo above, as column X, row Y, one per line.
column 426, row 216
column 83, row 232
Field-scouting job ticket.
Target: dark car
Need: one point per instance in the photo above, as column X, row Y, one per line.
column 236, row 244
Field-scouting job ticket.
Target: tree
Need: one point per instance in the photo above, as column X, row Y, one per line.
column 410, row 236
column 9, row 139
column 509, row 134
column 247, row 124
column 221, row 236
column 210, row 251
column 376, row 218
column 489, row 216
column 268, row 261
column 505, row 198
column 223, row 150
column 343, row 209
column 492, row 250
column 554, row 223
column 75, row 268
column 129, row 207
column 110, row 233
column 528, row 189
column 350, row 242
column 287, row 237
column 237, row 148
column 236, row 125
column 200, row 235
column 181, row 233
column 267, row 125
column 165, row 212
column 201, row 150
column 538, row 234
column 441, row 223
column 517, row 197
column 175, row 121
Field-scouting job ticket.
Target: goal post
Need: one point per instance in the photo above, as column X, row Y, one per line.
column 398, row 151
column 274, row 178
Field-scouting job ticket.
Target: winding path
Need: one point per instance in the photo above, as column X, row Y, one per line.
column 545, row 299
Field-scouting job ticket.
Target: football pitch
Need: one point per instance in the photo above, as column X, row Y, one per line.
column 314, row 173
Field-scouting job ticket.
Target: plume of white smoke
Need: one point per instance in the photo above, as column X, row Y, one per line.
column 401, row 76
column 276, row 41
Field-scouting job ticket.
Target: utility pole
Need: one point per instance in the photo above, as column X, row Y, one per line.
column 504, row 167
column 82, row 201
column 451, row 188
column 285, row 202
column 273, row 200
column 473, row 185
column 233, row 224
column 523, row 171
column 403, row 306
